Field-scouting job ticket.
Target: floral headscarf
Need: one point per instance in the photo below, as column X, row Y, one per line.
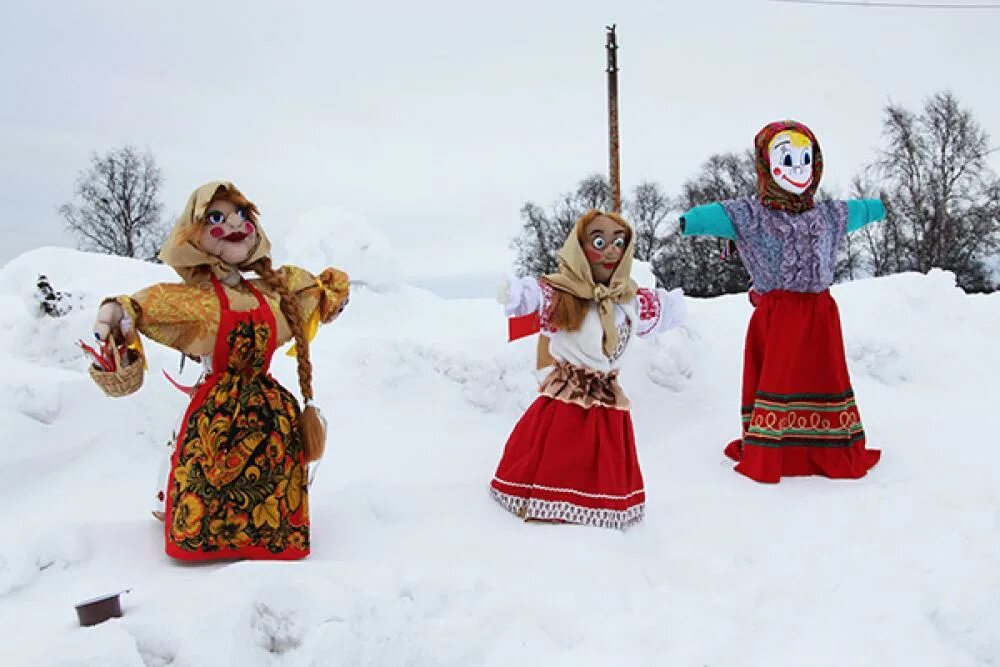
column 771, row 194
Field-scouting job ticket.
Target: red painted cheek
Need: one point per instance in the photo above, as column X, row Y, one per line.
column 594, row 255
column 216, row 232
column 249, row 227
column 777, row 172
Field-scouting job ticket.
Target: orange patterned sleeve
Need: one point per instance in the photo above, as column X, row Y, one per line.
column 184, row 317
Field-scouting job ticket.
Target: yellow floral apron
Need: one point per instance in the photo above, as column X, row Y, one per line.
column 237, row 486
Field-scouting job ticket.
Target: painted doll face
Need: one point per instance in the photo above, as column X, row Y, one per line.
column 792, row 161
column 604, row 244
column 228, row 234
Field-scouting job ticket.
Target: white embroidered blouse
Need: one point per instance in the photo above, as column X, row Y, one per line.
column 650, row 313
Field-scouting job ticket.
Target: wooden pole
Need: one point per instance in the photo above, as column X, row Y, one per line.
column 543, row 358
column 614, row 167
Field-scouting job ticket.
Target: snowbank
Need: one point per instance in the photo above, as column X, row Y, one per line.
column 413, row 564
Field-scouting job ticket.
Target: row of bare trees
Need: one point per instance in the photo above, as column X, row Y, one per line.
column 117, row 208
column 943, row 200
column 932, row 172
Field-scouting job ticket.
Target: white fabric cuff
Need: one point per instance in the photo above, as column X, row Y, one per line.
column 523, row 296
column 673, row 309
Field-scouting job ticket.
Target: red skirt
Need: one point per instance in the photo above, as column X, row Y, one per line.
column 798, row 408
column 565, row 463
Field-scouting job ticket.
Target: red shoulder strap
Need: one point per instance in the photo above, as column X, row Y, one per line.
column 221, row 293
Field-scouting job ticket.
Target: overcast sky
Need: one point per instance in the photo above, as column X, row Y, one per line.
column 437, row 120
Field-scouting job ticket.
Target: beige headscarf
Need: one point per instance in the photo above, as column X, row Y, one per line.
column 185, row 256
column 574, row 276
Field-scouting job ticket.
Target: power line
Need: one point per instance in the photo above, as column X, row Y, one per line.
column 894, row 5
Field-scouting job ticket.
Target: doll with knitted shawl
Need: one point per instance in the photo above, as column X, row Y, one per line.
column 799, row 415
column 572, row 458
column 238, row 480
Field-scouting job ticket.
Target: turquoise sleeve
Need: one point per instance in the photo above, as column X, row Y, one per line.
column 708, row 220
column 862, row 211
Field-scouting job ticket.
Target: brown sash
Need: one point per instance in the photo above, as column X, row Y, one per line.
column 584, row 387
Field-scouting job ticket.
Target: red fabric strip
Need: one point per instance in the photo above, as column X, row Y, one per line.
column 523, row 326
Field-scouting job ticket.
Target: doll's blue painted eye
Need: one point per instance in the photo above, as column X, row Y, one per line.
column 787, row 161
column 619, row 243
column 806, row 158
column 215, row 217
column 599, row 243
column 242, row 213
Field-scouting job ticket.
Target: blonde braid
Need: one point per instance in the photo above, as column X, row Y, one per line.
column 310, row 424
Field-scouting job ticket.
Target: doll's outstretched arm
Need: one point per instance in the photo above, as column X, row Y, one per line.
column 660, row 310
column 182, row 317
column 860, row 212
column 321, row 298
column 529, row 304
column 519, row 296
column 335, row 293
column 708, row 220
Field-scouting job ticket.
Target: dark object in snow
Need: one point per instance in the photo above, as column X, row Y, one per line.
column 100, row 609
column 51, row 302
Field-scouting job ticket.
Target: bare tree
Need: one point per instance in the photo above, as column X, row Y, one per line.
column 722, row 176
column 647, row 210
column 943, row 200
column 117, row 209
column 542, row 234
column 698, row 264
column 854, row 257
column 594, row 191
column 533, row 244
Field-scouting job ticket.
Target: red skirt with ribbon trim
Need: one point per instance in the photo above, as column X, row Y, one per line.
column 798, row 408
column 564, row 463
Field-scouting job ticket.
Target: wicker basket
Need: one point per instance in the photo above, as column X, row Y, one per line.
column 123, row 380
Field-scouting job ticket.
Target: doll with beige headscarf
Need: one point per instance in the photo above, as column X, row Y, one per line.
column 237, row 486
column 571, row 458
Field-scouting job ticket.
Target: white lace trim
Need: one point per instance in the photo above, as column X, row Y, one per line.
column 547, row 510
column 557, row 489
column 624, row 333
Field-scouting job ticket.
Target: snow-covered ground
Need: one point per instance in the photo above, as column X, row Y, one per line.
column 413, row 563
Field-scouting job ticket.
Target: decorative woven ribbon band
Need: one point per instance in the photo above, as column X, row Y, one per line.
column 584, row 387
column 802, row 420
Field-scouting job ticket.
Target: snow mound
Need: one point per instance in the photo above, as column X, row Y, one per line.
column 24, row 558
column 642, row 274
column 329, row 236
